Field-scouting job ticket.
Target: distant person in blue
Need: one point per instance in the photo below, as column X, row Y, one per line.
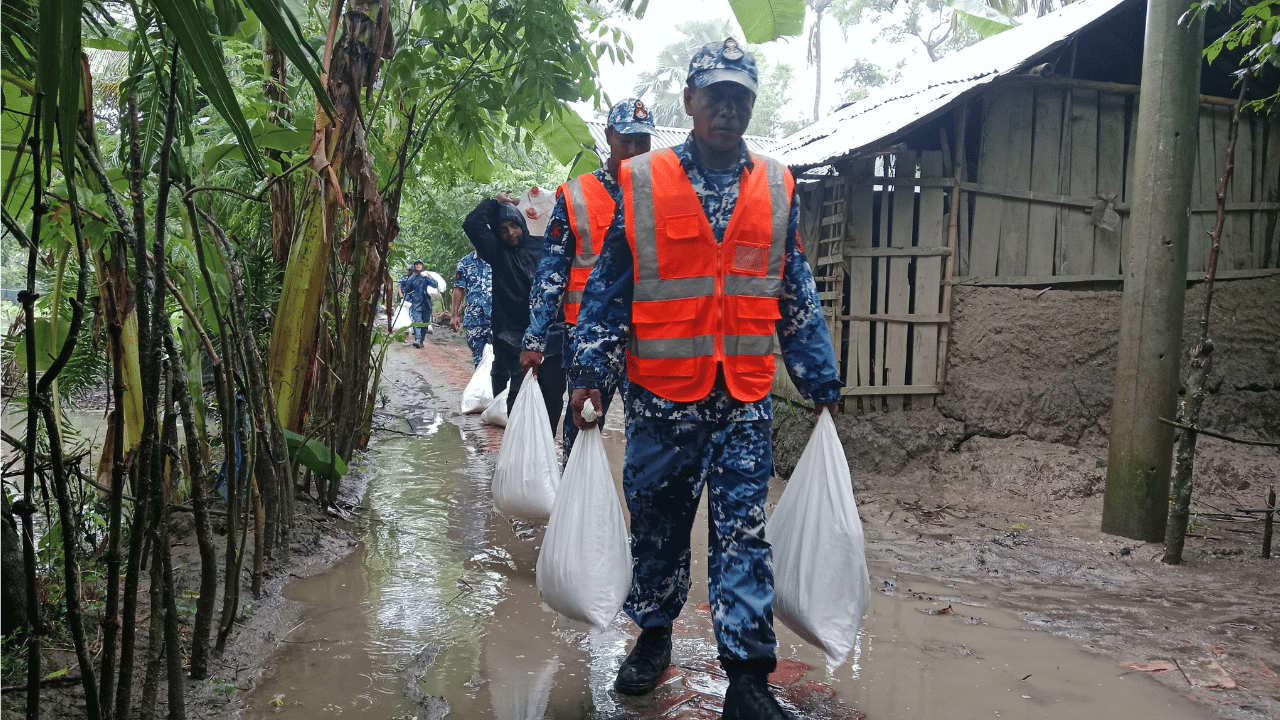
column 500, row 235
column 702, row 267
column 415, row 287
column 472, row 297
column 575, row 233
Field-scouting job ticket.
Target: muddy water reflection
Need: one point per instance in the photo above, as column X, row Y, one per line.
column 437, row 569
column 440, row 573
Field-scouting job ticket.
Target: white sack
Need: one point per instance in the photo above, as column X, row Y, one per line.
column 528, row 471
column 821, row 586
column 439, row 290
column 584, row 568
column 478, row 393
column 495, row 413
column 402, row 319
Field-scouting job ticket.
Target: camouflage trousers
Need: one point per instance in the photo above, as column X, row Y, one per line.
column 667, row 465
column 477, row 337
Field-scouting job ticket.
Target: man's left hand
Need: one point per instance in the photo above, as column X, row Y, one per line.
column 832, row 407
column 578, row 399
column 531, row 360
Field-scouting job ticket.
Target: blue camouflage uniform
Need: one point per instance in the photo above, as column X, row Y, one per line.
column 629, row 117
column 558, row 246
column 475, row 278
column 675, row 448
column 414, row 287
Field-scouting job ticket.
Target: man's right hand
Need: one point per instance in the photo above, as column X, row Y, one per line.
column 578, row 399
column 506, row 197
column 531, row 360
column 456, row 323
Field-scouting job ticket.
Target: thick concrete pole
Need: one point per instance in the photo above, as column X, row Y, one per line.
column 1136, row 504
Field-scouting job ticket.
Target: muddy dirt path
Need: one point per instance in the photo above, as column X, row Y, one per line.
column 436, row 611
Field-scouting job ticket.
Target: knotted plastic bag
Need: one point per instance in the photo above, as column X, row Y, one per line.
column 495, row 413
column 479, row 390
column 584, row 568
column 821, row 586
column 524, row 482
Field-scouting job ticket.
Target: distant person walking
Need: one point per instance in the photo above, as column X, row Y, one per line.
column 416, row 287
column 575, row 234
column 472, row 298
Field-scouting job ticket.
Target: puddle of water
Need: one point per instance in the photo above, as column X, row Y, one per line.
column 438, row 569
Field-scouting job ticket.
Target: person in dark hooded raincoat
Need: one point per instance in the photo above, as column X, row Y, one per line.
column 415, row 287
column 501, row 238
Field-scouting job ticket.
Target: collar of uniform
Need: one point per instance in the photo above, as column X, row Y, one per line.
column 605, row 178
column 688, row 154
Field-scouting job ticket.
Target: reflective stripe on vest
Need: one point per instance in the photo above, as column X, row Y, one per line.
column 699, row 304
column 590, row 210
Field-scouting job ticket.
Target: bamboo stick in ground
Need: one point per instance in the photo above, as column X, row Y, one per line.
column 1267, row 522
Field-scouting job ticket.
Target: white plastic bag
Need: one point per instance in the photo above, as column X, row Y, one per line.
column 584, row 567
column 821, row 586
column 495, row 413
column 402, row 319
column 439, row 290
column 478, row 393
column 528, row 471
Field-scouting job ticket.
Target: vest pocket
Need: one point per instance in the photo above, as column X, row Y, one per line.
column 681, row 227
column 750, row 258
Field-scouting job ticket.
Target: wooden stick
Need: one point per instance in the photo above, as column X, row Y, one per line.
column 1210, row 433
column 953, row 233
column 1267, row 522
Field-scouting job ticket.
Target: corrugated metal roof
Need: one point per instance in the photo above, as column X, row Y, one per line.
column 929, row 90
column 669, row 136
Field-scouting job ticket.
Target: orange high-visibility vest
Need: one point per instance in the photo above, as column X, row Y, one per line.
column 700, row 305
column 590, row 208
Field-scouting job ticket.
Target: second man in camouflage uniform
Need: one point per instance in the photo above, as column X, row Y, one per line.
column 584, row 208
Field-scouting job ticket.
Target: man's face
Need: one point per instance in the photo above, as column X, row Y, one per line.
column 720, row 112
column 509, row 232
column 624, row 147
column 417, row 267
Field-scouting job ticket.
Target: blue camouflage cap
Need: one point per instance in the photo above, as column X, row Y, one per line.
column 723, row 62
column 630, row 116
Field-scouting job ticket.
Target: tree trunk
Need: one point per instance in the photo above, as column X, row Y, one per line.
column 1201, row 364
column 199, row 505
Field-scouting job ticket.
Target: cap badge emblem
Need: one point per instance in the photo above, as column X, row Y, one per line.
column 731, row 50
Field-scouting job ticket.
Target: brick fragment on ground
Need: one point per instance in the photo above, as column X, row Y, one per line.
column 788, row 672
column 1151, row 667
column 1206, row 673
column 808, row 695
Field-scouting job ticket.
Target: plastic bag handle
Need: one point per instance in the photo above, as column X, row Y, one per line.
column 589, row 412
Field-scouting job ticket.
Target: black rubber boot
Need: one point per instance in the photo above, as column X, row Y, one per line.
column 749, row 698
column 644, row 665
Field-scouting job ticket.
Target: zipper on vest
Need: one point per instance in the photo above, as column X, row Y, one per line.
column 718, row 342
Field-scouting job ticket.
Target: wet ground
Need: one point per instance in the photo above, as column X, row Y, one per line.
column 436, row 614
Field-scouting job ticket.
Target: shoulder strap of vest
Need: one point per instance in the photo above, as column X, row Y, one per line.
column 584, row 197
column 781, row 188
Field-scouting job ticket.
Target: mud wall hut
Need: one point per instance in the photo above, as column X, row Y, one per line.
column 967, row 227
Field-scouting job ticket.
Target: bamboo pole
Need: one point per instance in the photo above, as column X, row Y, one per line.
column 953, row 237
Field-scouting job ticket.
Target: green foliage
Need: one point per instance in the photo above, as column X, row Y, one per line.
column 863, row 76
column 1254, row 38
column 431, row 216
column 314, row 455
column 984, row 19
column 765, row 20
